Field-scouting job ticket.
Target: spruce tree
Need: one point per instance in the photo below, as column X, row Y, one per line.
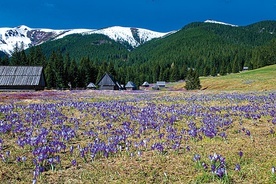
column 192, row 80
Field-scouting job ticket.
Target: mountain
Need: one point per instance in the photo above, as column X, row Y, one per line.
column 211, row 48
column 137, row 55
column 25, row 37
column 196, row 44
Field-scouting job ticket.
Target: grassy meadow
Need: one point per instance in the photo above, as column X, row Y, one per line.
column 223, row 134
column 252, row 80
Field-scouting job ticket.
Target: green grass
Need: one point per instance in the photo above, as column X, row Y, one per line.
column 252, row 80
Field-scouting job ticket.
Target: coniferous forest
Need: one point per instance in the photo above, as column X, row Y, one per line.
column 209, row 49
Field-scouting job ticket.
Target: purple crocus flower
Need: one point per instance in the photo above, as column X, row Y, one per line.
column 220, row 172
column 71, row 150
column 196, row 157
column 247, row 132
column 238, row 167
column 74, row 162
column 240, row 154
column 213, row 168
column 188, row 148
column 204, row 165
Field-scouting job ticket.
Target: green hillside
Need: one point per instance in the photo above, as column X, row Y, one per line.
column 259, row 79
column 208, row 45
column 95, row 46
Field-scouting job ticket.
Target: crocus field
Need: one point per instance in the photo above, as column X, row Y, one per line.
column 137, row 137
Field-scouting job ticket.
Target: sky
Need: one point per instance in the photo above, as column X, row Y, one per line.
column 156, row 15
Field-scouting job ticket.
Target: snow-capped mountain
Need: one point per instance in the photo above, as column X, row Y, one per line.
column 26, row 37
column 133, row 36
column 218, row 22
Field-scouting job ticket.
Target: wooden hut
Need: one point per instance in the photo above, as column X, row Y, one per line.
column 161, row 84
column 13, row 78
column 155, row 87
column 130, row 86
column 107, row 82
column 145, row 84
column 91, row 85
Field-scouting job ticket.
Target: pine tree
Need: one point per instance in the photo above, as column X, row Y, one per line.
column 73, row 74
column 50, row 76
column 15, row 59
column 183, row 72
column 174, row 73
column 192, row 80
column 102, row 70
column 235, row 65
column 67, row 62
column 206, row 71
column 111, row 69
column 223, row 68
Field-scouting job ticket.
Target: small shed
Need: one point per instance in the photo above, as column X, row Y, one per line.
column 130, row 86
column 245, row 68
column 155, row 87
column 161, row 84
column 13, row 78
column 107, row 82
column 91, row 85
column 145, row 84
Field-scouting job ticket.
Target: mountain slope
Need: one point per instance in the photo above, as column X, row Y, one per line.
column 253, row 80
column 97, row 47
column 200, row 41
column 25, row 37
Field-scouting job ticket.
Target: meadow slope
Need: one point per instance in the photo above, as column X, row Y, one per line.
column 252, row 80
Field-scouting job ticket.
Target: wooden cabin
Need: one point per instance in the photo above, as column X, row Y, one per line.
column 91, row 85
column 155, row 87
column 107, row 82
column 130, row 86
column 145, row 84
column 21, row 78
column 161, row 84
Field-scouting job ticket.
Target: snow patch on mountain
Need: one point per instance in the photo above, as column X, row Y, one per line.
column 74, row 31
column 25, row 37
column 133, row 36
column 9, row 37
column 218, row 22
column 117, row 33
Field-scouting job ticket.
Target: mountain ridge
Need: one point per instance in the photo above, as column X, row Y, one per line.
column 25, row 37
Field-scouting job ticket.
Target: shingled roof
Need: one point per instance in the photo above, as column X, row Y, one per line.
column 107, row 82
column 24, row 77
column 130, row 85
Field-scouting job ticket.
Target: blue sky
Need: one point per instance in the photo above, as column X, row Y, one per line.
column 157, row 15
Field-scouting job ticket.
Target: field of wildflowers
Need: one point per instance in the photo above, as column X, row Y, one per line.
column 137, row 137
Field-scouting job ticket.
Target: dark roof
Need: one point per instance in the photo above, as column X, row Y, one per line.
column 20, row 75
column 145, row 83
column 91, row 85
column 130, row 84
column 161, row 83
column 107, row 80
